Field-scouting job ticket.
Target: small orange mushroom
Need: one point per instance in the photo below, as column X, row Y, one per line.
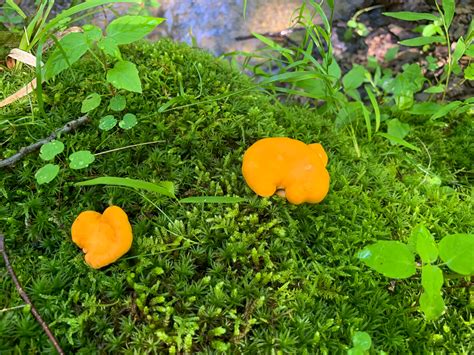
column 294, row 169
column 103, row 237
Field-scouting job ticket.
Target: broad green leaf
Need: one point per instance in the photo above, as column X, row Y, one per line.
column 435, row 89
column 390, row 258
column 432, row 279
column 47, row 173
column 128, row 121
column 391, row 53
column 49, row 150
column 399, row 141
column 110, row 47
column 459, row 51
column 92, row 33
column 163, row 187
column 212, row 199
column 469, row 72
column 124, row 75
column 421, row 41
column 334, row 69
column 411, row 16
column 443, row 111
column 424, row 244
column 362, row 340
column 424, row 108
column 108, row 122
column 356, row 351
column 470, row 51
column 448, row 9
column 117, row 103
column 432, row 305
column 354, row 77
column 128, row 29
column 74, row 45
column 91, row 102
column 397, row 129
column 81, row 159
column 457, row 251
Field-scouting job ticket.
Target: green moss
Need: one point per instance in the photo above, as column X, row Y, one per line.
column 266, row 274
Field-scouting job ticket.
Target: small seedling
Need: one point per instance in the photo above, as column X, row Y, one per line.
column 395, row 259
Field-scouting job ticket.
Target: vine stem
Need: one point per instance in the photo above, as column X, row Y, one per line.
column 25, row 297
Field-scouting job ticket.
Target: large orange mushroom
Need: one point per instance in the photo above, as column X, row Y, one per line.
column 104, row 238
column 289, row 167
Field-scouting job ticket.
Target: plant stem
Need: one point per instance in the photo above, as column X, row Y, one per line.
column 126, row 147
column 25, row 297
column 450, row 59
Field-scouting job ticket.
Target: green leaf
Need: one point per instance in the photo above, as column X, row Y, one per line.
column 431, row 305
column 399, row 141
column 273, row 45
column 212, row 199
column 362, row 340
column 165, row 188
column 354, row 77
column 424, row 108
column 81, row 159
column 411, row 16
column 391, row 53
column 108, row 122
column 459, row 51
column 128, row 29
column 422, row 242
column 92, row 33
column 47, row 173
column 356, row 351
column 391, row 258
column 397, row 129
column 469, row 72
column 128, row 121
column 74, row 46
column 49, row 150
column 91, row 102
column 124, row 75
column 421, row 41
column 117, row 103
column 457, row 251
column 435, row 89
column 432, row 279
column 443, row 111
column 110, row 47
column 448, row 9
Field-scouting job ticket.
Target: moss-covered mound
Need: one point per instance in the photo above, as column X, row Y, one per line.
column 251, row 277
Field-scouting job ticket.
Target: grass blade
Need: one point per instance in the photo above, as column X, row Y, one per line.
column 375, row 105
column 212, row 199
column 165, row 188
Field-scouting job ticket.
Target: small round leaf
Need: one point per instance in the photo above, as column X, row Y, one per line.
column 117, row 103
column 457, row 251
column 81, row 159
column 390, row 258
column 49, row 150
column 108, row 122
column 362, row 340
column 128, row 121
column 47, row 173
column 90, row 102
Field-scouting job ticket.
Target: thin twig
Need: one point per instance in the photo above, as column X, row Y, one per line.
column 26, row 298
column 68, row 127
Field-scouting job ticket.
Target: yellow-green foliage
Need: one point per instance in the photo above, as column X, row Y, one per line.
column 249, row 277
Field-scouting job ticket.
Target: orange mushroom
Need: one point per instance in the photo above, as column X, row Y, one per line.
column 103, row 237
column 294, row 169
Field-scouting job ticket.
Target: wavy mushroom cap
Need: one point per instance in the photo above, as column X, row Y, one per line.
column 281, row 163
column 104, row 238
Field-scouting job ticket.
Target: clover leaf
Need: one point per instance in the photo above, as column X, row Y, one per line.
column 81, row 159
column 49, row 150
column 128, row 121
column 108, row 122
column 47, row 173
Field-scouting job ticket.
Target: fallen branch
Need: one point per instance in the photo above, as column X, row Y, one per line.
column 26, row 298
column 68, row 127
